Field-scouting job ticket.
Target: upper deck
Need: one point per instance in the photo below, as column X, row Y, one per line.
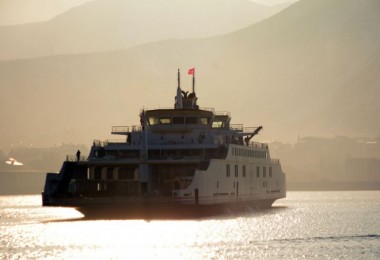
column 177, row 117
column 185, row 125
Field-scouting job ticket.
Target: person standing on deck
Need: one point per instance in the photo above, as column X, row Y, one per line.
column 78, row 156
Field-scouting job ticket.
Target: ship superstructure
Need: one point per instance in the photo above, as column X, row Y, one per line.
column 185, row 158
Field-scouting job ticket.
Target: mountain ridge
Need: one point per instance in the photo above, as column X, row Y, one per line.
column 116, row 24
column 296, row 82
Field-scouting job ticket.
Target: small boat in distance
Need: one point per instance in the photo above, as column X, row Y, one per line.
column 180, row 162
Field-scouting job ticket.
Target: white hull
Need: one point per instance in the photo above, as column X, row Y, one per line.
column 216, row 186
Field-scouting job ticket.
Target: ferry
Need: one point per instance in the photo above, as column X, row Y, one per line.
column 181, row 161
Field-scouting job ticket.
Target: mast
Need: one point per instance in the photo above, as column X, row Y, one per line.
column 178, row 98
column 179, row 80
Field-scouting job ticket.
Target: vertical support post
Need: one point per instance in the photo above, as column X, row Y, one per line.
column 196, row 197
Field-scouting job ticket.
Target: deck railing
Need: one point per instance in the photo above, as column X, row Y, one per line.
column 74, row 158
column 275, row 161
column 211, row 109
column 236, row 127
column 125, row 129
column 222, row 113
column 104, row 143
column 258, row 145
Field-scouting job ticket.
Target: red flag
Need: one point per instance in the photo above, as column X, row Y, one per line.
column 191, row 71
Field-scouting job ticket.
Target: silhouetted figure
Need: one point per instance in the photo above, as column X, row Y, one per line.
column 78, row 156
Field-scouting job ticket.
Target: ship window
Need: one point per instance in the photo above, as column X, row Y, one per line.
column 178, row 120
column 165, row 120
column 109, row 173
column 98, row 173
column 204, row 120
column 236, row 170
column 153, row 120
column 270, row 172
column 257, row 171
column 191, row 120
column 228, row 170
column 244, row 171
column 126, row 173
column 217, row 124
column 264, row 172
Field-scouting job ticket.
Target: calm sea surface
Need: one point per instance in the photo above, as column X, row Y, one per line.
column 304, row 225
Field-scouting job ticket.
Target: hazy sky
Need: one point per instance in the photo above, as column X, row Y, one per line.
column 27, row 11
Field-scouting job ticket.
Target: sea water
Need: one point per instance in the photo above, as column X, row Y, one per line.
column 327, row 225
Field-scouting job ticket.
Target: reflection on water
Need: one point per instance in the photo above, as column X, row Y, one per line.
column 305, row 224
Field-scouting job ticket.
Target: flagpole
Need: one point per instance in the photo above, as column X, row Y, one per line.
column 194, row 82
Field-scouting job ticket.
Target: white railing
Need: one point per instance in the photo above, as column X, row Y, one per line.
column 236, row 127
column 125, row 129
column 258, row 145
column 222, row 113
column 108, row 142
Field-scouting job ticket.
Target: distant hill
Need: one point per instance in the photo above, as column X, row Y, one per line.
column 318, row 60
column 309, row 70
column 27, row 11
column 104, row 25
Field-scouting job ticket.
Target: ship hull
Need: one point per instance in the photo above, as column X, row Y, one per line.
column 105, row 208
